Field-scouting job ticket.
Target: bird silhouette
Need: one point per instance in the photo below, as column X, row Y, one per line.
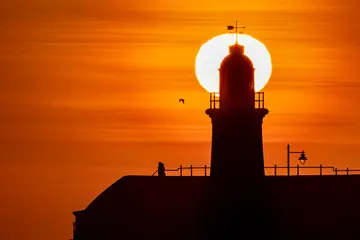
column 182, row 100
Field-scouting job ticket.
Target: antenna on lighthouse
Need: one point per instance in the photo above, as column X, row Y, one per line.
column 230, row 28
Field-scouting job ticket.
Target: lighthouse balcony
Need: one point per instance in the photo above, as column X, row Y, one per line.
column 215, row 100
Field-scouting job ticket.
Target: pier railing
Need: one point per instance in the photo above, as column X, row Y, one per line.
column 269, row 171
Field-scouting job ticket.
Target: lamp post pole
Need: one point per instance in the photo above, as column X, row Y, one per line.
column 288, row 158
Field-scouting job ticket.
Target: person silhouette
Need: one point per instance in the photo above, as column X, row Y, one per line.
column 161, row 170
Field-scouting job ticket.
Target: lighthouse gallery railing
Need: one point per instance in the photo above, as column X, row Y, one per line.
column 259, row 100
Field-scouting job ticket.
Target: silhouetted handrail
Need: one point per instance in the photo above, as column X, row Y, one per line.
column 321, row 168
column 167, row 170
column 215, row 100
column 259, row 100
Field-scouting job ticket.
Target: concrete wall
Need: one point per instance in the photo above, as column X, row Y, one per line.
column 304, row 207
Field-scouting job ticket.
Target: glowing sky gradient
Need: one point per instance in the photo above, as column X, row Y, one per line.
column 89, row 93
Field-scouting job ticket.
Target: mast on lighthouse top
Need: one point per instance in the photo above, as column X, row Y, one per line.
column 230, row 28
column 236, row 48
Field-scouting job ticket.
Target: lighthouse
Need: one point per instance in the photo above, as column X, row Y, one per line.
column 237, row 113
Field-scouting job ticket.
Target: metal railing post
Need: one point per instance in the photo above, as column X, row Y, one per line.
column 320, row 169
column 347, row 171
column 180, row 170
column 191, row 170
column 205, row 170
column 288, row 159
column 275, row 170
column 297, row 169
column 336, row 171
column 214, row 100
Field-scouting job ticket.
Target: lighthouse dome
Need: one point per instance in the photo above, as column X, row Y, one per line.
column 237, row 60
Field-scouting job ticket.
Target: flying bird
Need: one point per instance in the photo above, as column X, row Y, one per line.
column 182, row 100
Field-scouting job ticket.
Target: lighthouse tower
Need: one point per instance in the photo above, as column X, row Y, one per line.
column 237, row 114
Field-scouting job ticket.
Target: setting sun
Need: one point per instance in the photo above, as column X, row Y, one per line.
column 212, row 52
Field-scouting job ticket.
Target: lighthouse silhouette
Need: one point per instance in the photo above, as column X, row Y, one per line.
column 237, row 114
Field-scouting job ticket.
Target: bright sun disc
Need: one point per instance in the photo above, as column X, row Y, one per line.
column 212, row 53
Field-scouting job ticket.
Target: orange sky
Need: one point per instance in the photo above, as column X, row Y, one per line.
column 89, row 93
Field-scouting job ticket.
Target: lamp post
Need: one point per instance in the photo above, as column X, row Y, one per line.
column 302, row 158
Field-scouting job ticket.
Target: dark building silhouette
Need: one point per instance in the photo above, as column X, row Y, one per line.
column 237, row 201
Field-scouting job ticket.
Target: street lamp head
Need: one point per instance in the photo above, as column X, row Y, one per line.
column 302, row 158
